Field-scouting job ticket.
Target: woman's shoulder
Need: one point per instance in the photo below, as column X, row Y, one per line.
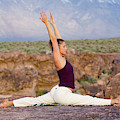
column 60, row 63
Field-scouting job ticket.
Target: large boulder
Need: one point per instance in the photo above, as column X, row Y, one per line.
column 116, row 65
column 85, row 63
column 112, row 89
column 94, row 64
column 22, row 73
column 90, row 63
column 112, row 82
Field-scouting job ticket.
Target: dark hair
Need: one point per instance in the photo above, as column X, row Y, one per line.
column 58, row 41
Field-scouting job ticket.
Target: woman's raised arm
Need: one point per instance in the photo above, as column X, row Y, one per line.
column 56, row 52
column 44, row 19
column 52, row 21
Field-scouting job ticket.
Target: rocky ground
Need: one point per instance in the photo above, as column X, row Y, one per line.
column 24, row 74
column 61, row 113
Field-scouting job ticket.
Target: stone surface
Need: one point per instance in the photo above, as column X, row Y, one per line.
column 23, row 74
column 112, row 89
column 58, row 112
column 86, row 63
column 61, row 113
column 116, row 66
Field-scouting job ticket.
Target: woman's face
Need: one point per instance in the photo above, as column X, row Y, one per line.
column 62, row 48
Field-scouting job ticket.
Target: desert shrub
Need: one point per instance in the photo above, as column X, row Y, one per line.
column 90, row 79
column 87, row 79
column 39, row 93
column 83, row 82
column 104, row 71
column 110, row 71
column 107, row 71
column 102, row 76
column 79, row 92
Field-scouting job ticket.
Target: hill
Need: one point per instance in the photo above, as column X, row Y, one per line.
column 95, row 45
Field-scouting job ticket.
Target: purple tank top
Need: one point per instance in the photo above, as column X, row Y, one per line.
column 66, row 76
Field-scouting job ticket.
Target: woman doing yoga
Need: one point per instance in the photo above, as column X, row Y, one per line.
column 61, row 93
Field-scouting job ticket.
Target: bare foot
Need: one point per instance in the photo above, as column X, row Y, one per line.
column 6, row 103
column 117, row 100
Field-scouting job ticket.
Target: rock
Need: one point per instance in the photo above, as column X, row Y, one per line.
column 86, row 63
column 5, row 96
column 49, row 52
column 22, row 79
column 112, row 89
column 91, row 89
column 22, row 73
column 71, row 51
column 116, row 66
column 93, row 65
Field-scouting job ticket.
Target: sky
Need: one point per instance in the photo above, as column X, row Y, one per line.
column 19, row 20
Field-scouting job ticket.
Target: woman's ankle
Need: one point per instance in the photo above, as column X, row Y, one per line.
column 115, row 101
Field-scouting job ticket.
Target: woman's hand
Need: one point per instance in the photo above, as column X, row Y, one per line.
column 44, row 17
column 51, row 19
column 56, row 31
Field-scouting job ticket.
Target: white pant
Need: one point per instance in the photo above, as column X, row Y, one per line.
column 61, row 95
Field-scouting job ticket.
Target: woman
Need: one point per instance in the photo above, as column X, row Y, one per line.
column 61, row 93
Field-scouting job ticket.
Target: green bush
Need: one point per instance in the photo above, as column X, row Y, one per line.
column 90, row 79
column 102, row 76
column 39, row 93
column 87, row 79
column 107, row 71
column 110, row 71
column 104, row 71
column 83, row 82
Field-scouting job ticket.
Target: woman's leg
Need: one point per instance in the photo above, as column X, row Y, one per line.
column 64, row 96
column 31, row 101
column 77, row 99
